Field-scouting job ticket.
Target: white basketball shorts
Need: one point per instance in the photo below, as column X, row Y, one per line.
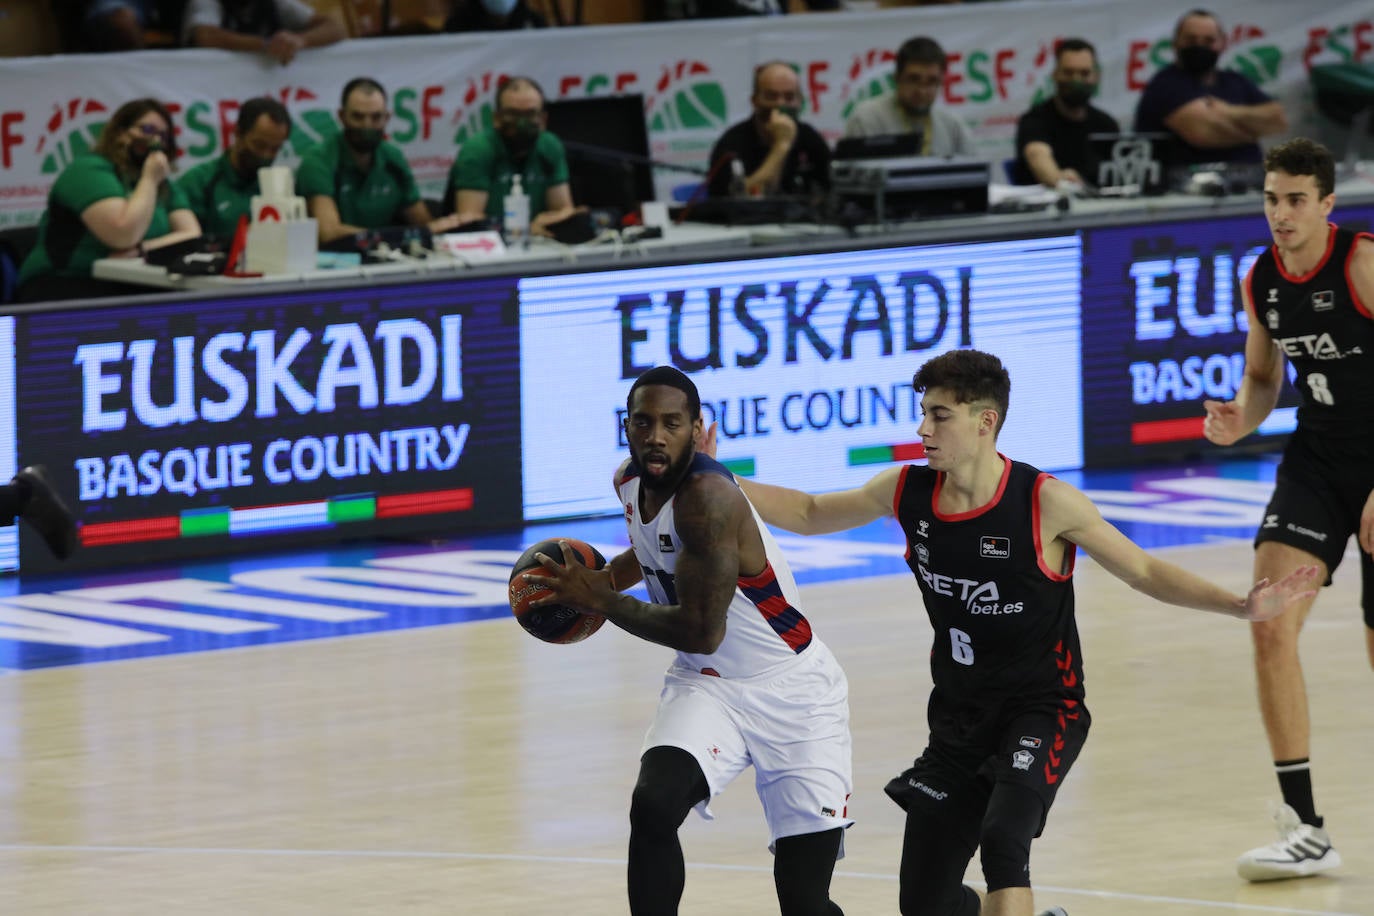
column 791, row 723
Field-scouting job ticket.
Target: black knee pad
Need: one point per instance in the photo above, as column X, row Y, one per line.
column 1013, row 819
column 670, row 783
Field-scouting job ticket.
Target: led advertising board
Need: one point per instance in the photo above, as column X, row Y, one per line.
column 192, row 427
column 1164, row 330
column 805, row 362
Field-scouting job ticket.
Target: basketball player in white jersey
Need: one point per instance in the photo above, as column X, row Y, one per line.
column 750, row 684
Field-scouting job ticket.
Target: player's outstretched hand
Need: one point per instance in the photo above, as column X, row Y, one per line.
column 707, row 445
column 572, row 584
column 1265, row 601
column 1224, row 422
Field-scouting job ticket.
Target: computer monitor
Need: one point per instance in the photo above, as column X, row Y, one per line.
column 882, row 146
column 608, row 149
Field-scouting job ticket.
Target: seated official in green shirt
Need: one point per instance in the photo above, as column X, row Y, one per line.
column 517, row 144
column 115, row 201
column 356, row 181
column 221, row 191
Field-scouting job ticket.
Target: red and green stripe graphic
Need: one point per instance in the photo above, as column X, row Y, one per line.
column 325, row 513
column 886, row 454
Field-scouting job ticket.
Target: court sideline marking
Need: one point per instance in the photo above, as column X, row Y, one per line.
column 620, row 863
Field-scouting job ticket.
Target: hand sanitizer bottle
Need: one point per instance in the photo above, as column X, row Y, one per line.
column 516, row 221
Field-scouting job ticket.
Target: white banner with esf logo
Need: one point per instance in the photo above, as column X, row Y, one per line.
column 804, row 362
column 694, row 77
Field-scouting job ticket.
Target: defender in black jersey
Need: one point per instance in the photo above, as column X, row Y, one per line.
column 991, row 542
column 1309, row 299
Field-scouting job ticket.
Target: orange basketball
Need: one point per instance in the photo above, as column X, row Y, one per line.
column 552, row 622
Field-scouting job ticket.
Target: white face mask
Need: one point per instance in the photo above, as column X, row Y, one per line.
column 498, row 7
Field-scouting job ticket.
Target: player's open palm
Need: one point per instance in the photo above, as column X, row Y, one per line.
column 1224, row 423
column 1266, row 601
column 707, row 443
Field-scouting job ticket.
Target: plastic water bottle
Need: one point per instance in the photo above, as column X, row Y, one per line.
column 516, row 221
column 738, row 188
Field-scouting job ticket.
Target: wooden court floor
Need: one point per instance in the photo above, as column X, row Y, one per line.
column 471, row 769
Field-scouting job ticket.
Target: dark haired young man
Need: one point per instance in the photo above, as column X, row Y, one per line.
column 920, row 78
column 221, row 190
column 750, row 683
column 1052, row 138
column 991, row 542
column 357, row 179
column 1309, row 298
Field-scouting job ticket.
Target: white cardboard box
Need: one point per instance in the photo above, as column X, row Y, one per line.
column 274, row 249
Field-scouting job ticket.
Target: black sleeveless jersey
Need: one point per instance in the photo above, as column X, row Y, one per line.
column 1005, row 634
column 1327, row 334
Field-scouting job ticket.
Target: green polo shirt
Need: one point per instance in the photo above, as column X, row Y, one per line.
column 219, row 196
column 65, row 247
column 484, row 164
column 371, row 199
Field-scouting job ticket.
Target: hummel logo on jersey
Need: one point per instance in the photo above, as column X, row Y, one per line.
column 665, row 543
column 1271, row 318
column 629, row 512
column 1271, row 521
column 1323, row 301
column 994, row 548
column 1317, row 346
column 1273, row 296
column 922, row 528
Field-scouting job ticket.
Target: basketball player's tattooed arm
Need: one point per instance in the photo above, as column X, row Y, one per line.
column 1228, row 422
column 709, row 516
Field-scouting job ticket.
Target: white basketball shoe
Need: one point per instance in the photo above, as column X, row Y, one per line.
column 1301, row 850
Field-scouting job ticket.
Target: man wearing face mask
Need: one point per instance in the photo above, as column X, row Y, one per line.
column 115, row 201
column 1214, row 115
column 920, row 78
column 516, row 144
column 356, row 180
column 1052, row 137
column 776, row 152
column 222, row 190
column 492, row 16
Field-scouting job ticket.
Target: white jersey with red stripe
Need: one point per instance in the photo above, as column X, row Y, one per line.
column 763, row 628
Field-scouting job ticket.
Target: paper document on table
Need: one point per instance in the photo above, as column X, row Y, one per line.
column 472, row 246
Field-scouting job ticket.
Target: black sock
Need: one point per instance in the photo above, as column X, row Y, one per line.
column 1295, row 782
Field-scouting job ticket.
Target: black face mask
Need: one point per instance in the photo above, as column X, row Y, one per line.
column 363, row 140
column 521, row 136
column 1197, row 60
column 249, row 163
column 140, row 148
column 1075, row 94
